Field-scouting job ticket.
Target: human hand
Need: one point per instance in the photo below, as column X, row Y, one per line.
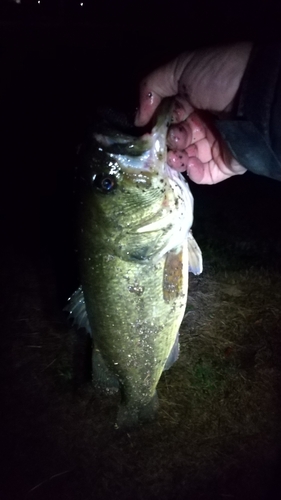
column 205, row 80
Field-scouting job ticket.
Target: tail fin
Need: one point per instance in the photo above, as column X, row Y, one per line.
column 133, row 415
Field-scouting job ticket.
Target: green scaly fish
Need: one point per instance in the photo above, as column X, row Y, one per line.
column 135, row 251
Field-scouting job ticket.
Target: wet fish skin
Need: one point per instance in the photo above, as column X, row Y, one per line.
column 135, row 215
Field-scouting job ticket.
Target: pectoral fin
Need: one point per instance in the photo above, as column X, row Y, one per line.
column 77, row 310
column 194, row 256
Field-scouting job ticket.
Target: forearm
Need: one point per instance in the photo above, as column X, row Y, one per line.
column 254, row 132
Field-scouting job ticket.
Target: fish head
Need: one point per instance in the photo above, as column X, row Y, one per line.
column 127, row 191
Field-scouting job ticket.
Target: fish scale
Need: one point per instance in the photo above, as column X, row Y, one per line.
column 135, row 215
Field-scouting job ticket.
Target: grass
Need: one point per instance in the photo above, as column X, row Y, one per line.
column 217, row 433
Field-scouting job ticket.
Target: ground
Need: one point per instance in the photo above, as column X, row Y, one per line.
column 217, row 433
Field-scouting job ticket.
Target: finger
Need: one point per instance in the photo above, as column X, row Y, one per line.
column 207, row 173
column 179, row 136
column 195, row 169
column 213, row 171
column 181, row 110
column 178, row 160
column 186, row 133
column 197, row 126
column 202, row 150
column 204, row 172
column 207, row 165
column 163, row 82
column 149, row 101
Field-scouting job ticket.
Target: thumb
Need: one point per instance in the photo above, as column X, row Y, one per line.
column 149, row 101
column 159, row 84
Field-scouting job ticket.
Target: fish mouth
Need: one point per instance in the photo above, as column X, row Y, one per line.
column 147, row 152
column 119, row 145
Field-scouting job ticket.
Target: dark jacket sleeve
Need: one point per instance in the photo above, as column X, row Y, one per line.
column 254, row 133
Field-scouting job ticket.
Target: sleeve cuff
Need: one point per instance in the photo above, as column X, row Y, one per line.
column 253, row 136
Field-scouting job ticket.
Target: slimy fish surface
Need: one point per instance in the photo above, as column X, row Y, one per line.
column 135, row 251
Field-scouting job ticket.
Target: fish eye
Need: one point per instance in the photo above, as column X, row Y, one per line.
column 105, row 183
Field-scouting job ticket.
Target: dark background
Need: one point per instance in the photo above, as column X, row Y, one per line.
column 58, row 62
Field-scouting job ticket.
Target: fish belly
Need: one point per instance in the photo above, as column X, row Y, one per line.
column 135, row 311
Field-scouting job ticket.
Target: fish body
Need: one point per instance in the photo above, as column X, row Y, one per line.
column 135, row 218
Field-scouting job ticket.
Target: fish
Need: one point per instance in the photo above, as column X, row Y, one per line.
column 136, row 249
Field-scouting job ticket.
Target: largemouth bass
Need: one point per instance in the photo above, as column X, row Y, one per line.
column 135, row 251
